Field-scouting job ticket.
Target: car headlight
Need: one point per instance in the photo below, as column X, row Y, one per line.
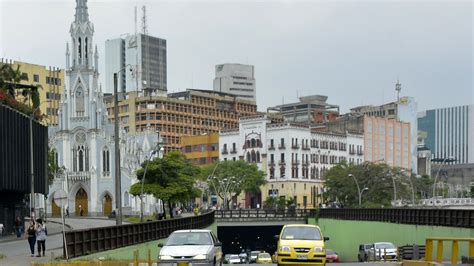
column 165, row 257
column 200, row 257
column 318, row 249
column 285, row 249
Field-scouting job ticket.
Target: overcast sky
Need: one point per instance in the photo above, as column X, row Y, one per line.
column 351, row 51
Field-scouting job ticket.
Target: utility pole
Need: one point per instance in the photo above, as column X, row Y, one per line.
column 118, row 181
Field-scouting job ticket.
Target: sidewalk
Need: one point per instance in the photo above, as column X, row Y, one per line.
column 54, row 226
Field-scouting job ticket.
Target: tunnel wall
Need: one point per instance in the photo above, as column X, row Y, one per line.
column 345, row 236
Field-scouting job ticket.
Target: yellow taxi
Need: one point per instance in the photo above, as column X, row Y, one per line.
column 301, row 244
column 264, row 258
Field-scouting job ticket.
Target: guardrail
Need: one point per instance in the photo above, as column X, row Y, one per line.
column 92, row 240
column 454, row 249
column 263, row 213
column 438, row 217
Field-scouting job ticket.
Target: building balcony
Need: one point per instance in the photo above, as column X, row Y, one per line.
column 360, row 153
column 305, row 163
column 78, row 176
column 306, row 148
column 271, row 164
column 271, row 147
column 233, row 151
column 281, row 162
column 225, row 152
column 281, row 146
column 351, row 152
column 295, row 146
column 295, row 162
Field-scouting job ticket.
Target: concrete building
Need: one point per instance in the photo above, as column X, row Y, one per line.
column 293, row 157
column 236, row 79
column 202, row 149
column 449, row 133
column 51, row 80
column 187, row 113
column 384, row 139
column 310, row 110
column 147, row 56
column 83, row 141
column 405, row 109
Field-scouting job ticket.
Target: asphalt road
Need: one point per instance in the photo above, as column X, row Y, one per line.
column 339, row 264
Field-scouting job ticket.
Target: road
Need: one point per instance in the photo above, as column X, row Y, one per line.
column 17, row 252
column 340, row 264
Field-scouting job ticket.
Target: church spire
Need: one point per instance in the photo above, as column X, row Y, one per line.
column 82, row 14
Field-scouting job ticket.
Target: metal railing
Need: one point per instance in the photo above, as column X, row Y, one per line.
column 265, row 214
column 438, row 217
column 454, row 248
column 92, row 240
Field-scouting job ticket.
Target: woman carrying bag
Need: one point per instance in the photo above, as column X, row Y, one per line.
column 41, row 237
column 30, row 234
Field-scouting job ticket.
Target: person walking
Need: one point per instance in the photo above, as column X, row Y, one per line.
column 30, row 234
column 81, row 210
column 41, row 237
column 18, row 227
column 67, row 211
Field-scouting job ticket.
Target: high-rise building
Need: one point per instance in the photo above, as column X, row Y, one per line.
column 449, row 133
column 143, row 60
column 187, row 113
column 51, row 82
column 202, row 149
column 236, row 79
column 310, row 110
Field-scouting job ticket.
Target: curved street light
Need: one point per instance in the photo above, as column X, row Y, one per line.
column 358, row 189
column 450, row 158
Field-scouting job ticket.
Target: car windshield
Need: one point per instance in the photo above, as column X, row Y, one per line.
column 301, row 233
column 264, row 255
column 189, row 238
column 384, row 246
column 234, row 257
column 254, row 253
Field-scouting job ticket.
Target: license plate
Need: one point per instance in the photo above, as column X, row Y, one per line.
column 183, row 264
column 301, row 257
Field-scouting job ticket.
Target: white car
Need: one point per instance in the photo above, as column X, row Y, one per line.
column 234, row 259
column 382, row 251
column 191, row 247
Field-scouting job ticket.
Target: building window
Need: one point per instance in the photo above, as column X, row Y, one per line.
column 36, row 78
column 106, row 161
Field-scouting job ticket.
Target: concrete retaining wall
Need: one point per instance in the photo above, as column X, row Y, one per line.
column 345, row 236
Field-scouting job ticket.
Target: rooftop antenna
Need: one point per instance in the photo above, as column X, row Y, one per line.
column 398, row 88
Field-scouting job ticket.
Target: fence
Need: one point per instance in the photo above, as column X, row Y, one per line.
column 88, row 241
column 454, row 249
column 266, row 214
column 437, row 217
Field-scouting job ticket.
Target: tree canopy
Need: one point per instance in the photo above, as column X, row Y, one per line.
column 171, row 179
column 237, row 176
column 378, row 178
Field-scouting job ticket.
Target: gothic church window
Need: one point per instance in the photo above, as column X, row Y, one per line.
column 79, row 48
column 79, row 101
column 106, row 161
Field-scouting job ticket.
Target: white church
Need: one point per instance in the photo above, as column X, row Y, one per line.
column 84, row 139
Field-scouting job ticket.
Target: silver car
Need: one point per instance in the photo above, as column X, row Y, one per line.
column 191, row 247
column 382, row 251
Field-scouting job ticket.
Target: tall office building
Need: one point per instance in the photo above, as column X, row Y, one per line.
column 236, row 79
column 147, row 57
column 449, row 133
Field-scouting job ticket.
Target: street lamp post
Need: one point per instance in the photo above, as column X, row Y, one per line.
column 158, row 148
column 393, row 181
column 358, row 189
column 436, row 177
column 32, row 171
column 118, row 181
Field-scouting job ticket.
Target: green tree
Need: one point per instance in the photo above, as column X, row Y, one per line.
column 53, row 167
column 228, row 179
column 171, row 179
column 378, row 178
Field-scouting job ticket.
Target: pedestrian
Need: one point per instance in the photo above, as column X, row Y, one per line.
column 41, row 237
column 30, row 234
column 67, row 211
column 18, row 227
column 196, row 210
column 81, row 210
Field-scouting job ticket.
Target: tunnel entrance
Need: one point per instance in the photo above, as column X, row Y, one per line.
column 237, row 238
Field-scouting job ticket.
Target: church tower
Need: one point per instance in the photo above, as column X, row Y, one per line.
column 82, row 100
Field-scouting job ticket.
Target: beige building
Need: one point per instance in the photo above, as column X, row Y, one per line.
column 188, row 113
column 51, row 81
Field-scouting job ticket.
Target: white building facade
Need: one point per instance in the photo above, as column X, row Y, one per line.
column 83, row 141
column 293, row 157
column 236, row 79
